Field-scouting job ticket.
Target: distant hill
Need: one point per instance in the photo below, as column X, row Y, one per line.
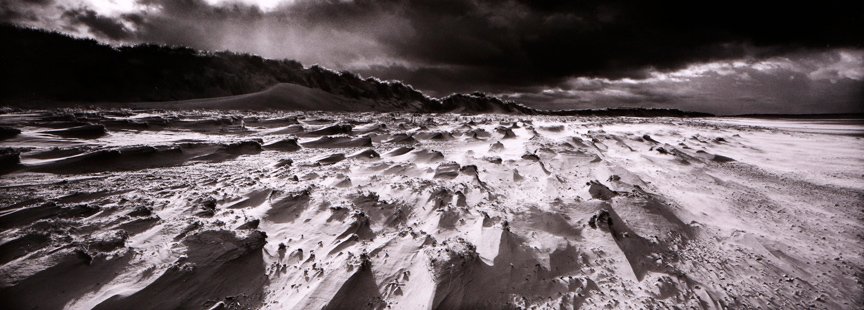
column 40, row 67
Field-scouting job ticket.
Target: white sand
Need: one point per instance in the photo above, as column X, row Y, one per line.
column 485, row 211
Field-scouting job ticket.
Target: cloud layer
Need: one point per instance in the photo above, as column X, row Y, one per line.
column 823, row 82
column 539, row 51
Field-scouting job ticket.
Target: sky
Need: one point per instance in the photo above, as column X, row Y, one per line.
column 724, row 57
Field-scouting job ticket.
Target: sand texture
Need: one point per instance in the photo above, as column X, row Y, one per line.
column 123, row 209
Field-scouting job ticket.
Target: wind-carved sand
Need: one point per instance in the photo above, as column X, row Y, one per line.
column 163, row 210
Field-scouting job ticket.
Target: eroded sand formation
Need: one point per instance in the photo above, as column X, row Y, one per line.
column 120, row 209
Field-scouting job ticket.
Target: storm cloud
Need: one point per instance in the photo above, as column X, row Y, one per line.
column 828, row 82
column 532, row 50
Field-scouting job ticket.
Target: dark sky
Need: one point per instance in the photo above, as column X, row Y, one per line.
column 721, row 57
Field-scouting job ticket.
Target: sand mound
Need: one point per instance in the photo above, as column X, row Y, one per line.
column 287, row 145
column 57, row 152
column 288, row 207
column 506, row 132
column 424, row 155
column 447, row 170
column 330, row 130
column 218, row 267
column 274, row 122
column 368, row 128
column 600, row 191
column 478, row 134
column 401, row 139
column 290, row 130
column 145, row 157
column 88, row 131
column 402, row 150
column 365, row 154
column 338, row 142
column 360, row 290
column 8, row 132
column 72, row 275
column 251, row 199
column 435, row 135
column 9, row 159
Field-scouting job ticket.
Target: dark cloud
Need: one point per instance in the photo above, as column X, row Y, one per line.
column 546, row 41
column 100, row 25
column 39, row 2
column 523, row 46
column 824, row 82
column 13, row 10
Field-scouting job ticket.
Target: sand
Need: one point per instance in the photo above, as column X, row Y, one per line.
column 229, row 210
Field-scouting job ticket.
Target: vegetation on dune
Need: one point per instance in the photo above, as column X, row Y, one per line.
column 39, row 65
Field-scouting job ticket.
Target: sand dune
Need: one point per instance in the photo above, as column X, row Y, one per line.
column 230, row 210
column 283, row 96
